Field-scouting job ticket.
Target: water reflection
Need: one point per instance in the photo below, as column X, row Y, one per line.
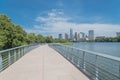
column 109, row 48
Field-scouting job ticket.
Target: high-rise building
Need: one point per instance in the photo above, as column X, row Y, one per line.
column 81, row 36
column 86, row 38
column 71, row 34
column 91, row 34
column 66, row 36
column 118, row 34
column 76, row 36
column 60, row 36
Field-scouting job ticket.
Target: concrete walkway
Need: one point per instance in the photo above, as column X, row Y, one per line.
column 42, row 63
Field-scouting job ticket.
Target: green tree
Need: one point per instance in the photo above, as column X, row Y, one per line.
column 49, row 39
column 10, row 34
column 19, row 36
column 31, row 38
column 40, row 39
column 118, row 39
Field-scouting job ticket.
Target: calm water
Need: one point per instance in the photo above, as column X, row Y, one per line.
column 109, row 48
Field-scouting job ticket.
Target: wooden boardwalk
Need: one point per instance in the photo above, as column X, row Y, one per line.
column 42, row 63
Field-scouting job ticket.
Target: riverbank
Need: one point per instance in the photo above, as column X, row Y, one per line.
column 67, row 43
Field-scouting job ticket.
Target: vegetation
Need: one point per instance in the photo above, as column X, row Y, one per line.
column 67, row 43
column 108, row 39
column 12, row 35
column 62, row 41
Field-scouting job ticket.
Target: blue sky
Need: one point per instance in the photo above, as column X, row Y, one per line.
column 51, row 17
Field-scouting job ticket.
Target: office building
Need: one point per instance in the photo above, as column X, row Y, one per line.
column 118, row 34
column 76, row 36
column 66, row 36
column 86, row 38
column 71, row 35
column 81, row 36
column 60, row 36
column 91, row 34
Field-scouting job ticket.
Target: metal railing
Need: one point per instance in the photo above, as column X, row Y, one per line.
column 96, row 65
column 9, row 56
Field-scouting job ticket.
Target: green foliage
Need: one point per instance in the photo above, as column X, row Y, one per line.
column 10, row 34
column 31, row 38
column 108, row 39
column 40, row 39
column 19, row 36
column 118, row 39
column 59, row 40
column 49, row 39
column 2, row 41
column 67, row 43
column 62, row 41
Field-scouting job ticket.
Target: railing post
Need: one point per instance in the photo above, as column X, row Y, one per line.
column 119, row 69
column 78, row 63
column 14, row 55
column 0, row 62
column 68, row 56
column 23, row 51
column 96, row 67
column 72, row 59
column 9, row 58
column 18, row 53
column 26, row 49
column 72, row 55
column 84, row 61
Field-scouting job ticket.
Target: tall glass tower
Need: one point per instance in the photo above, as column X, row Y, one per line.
column 71, row 34
column 91, row 35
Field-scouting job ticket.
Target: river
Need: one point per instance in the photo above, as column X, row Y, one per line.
column 110, row 48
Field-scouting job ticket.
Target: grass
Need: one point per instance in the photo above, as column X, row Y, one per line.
column 67, row 43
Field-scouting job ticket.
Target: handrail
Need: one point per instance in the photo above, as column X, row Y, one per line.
column 97, row 65
column 12, row 48
column 9, row 56
column 95, row 53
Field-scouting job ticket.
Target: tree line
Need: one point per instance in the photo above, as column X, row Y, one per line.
column 108, row 39
column 12, row 35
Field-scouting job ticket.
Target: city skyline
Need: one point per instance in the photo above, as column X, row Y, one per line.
column 77, row 36
column 57, row 16
column 81, row 36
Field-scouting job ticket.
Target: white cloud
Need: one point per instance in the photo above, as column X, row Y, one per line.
column 53, row 16
column 56, row 22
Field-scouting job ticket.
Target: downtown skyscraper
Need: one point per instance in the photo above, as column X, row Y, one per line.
column 60, row 36
column 71, row 34
column 91, row 34
column 66, row 36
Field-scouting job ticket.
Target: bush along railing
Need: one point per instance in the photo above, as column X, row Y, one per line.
column 96, row 65
column 9, row 56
